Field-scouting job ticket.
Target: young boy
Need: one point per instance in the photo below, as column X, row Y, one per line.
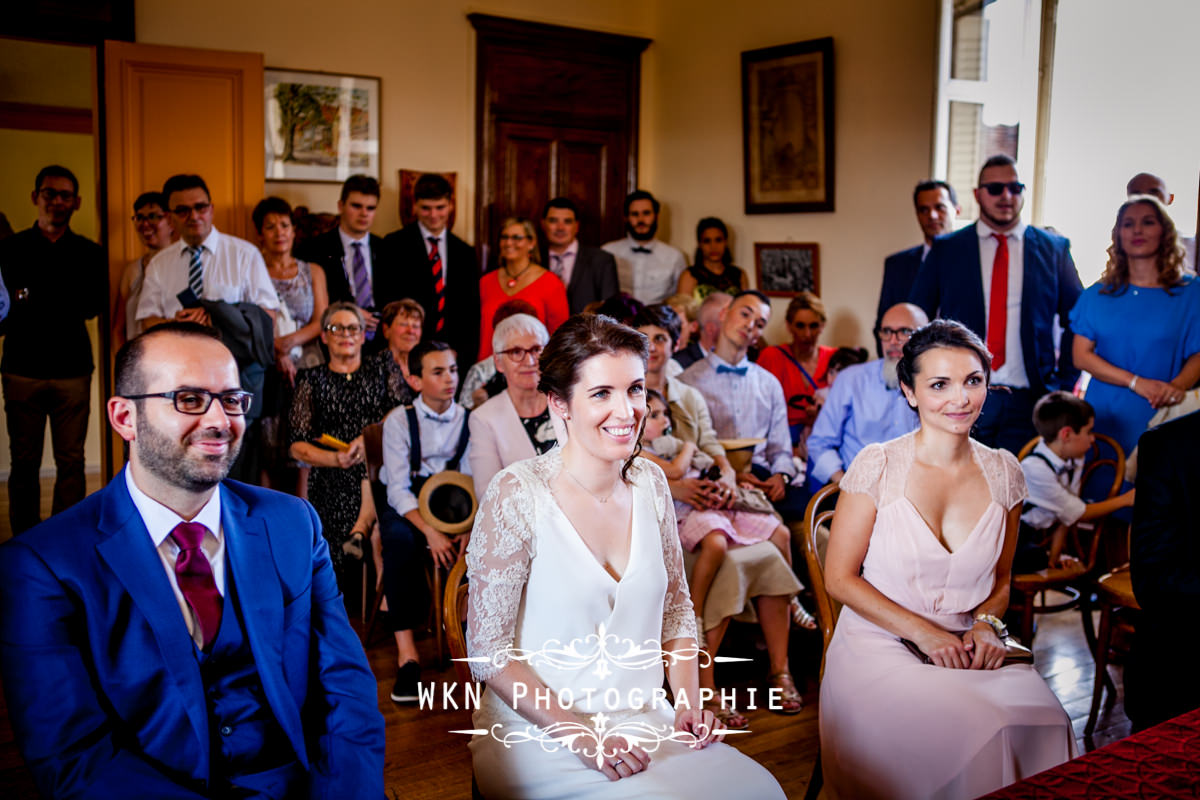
column 440, row 443
column 1053, row 473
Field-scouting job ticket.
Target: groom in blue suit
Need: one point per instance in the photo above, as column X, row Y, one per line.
column 177, row 635
column 1010, row 283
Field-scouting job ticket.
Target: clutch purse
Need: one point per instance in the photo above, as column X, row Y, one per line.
column 746, row 498
column 1014, row 651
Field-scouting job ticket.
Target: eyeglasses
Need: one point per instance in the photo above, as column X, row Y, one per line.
column 344, row 330
column 197, row 401
column 903, row 334
column 996, row 188
column 183, row 212
column 50, row 195
column 516, row 237
column 517, row 354
column 153, row 219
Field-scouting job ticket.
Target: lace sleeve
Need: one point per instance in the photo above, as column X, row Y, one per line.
column 866, row 472
column 498, row 557
column 300, row 419
column 679, row 618
column 1015, row 480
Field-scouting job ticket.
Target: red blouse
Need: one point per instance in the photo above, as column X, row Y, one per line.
column 779, row 362
column 547, row 294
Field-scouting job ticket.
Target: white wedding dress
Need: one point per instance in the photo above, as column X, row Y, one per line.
column 538, row 593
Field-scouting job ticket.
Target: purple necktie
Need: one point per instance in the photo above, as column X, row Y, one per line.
column 362, row 285
column 195, row 577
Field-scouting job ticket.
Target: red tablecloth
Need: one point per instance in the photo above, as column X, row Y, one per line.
column 1159, row 762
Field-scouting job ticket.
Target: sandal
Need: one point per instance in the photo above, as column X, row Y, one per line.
column 353, row 546
column 791, row 702
column 802, row 617
column 728, row 717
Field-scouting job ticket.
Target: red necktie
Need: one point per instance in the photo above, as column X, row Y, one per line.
column 439, row 282
column 195, row 577
column 997, row 328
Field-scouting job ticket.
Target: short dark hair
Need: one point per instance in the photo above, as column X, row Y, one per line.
column 660, row 315
column 363, row 184
column 406, row 306
column 639, row 194
column 423, row 349
column 622, row 307
column 655, row 394
column 270, row 205
column 150, row 199
column 561, row 202
column 181, row 183
column 930, row 185
column 753, row 293
column 127, row 371
column 432, row 186
column 846, row 357
column 714, row 223
column 941, row 333
column 998, row 160
column 55, row 171
column 1058, row 410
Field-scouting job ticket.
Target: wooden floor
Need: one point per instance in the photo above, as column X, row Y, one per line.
column 425, row 760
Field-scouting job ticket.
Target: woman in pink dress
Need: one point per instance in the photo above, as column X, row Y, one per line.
column 520, row 275
column 921, row 549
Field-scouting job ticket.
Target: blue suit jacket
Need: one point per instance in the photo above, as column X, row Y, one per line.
column 103, row 687
column 899, row 274
column 950, row 285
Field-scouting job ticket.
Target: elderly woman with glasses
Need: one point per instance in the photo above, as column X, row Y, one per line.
column 521, row 275
column 800, row 366
column 332, row 405
column 515, row 424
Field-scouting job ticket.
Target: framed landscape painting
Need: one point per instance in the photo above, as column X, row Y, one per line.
column 784, row 268
column 319, row 126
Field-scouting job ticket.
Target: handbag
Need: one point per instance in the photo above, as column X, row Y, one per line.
column 1014, row 651
column 747, row 498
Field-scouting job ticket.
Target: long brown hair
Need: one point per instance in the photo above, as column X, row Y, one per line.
column 1170, row 252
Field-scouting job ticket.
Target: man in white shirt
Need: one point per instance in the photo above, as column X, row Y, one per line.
column 647, row 269
column 1148, row 183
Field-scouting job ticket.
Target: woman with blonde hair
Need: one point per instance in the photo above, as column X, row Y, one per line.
column 800, row 366
column 520, row 275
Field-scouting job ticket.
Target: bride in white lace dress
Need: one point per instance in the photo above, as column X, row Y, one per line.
column 577, row 593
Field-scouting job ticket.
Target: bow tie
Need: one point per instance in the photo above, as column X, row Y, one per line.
column 739, row 371
column 432, row 418
column 640, row 249
column 1067, row 469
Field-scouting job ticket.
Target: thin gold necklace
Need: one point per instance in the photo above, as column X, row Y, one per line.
column 595, row 496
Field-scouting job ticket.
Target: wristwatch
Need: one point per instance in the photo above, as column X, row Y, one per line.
column 997, row 624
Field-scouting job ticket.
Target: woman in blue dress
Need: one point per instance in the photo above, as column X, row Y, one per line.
column 1137, row 330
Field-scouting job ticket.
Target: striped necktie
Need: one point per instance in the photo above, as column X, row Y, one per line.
column 195, row 270
column 362, row 285
column 439, row 283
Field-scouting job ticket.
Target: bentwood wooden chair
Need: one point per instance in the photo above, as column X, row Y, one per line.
column 1118, row 610
column 454, row 618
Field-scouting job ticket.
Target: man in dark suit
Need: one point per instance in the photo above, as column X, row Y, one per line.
column 589, row 273
column 352, row 256
column 1010, row 283
column 178, row 635
column 937, row 208
column 438, row 270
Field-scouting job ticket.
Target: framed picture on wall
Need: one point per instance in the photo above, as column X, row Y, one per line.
column 784, row 268
column 319, row 126
column 787, row 127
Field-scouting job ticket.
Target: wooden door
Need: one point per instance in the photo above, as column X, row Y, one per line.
column 172, row 110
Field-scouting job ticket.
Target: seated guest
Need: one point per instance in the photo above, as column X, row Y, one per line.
column 589, row 273
column 921, row 550
column 688, row 309
column 1164, row 565
column 622, row 307
column 1137, row 329
column 338, row 400
column 801, row 365
column 746, row 401
column 520, row 276
column 865, row 405
column 712, row 267
column 842, row 357
column 154, row 228
column 188, row 628
column 708, row 330
column 419, row 440
column 400, row 325
column 515, row 424
column 482, row 381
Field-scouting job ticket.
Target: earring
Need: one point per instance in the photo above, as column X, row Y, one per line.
column 566, row 416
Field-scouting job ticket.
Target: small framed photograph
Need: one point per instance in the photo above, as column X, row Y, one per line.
column 319, row 126
column 785, row 268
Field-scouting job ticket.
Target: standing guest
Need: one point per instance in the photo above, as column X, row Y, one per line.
column 419, row 441
column 57, row 280
column 647, row 269
column 712, row 267
column 400, row 325
column 1009, row 283
column 438, row 270
column 801, row 365
column 483, row 381
column 937, row 208
column 520, row 276
column 339, row 399
column 1148, row 183
column 1137, row 330
column 154, row 228
column 589, row 273
column 515, row 424
column 356, row 270
column 188, row 627
column 708, row 330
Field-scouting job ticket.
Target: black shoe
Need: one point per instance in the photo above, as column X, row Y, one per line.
column 405, row 688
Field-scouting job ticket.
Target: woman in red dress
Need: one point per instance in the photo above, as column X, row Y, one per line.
column 520, row 275
column 801, row 365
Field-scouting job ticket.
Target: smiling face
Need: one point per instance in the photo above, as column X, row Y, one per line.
column 153, row 226
column 277, row 234
column 1140, row 231
column 403, row 334
column 949, row 389
column 434, row 214
column 347, row 341
column 743, row 322
column 560, row 227
column 607, row 406
column 516, row 244
column 660, row 347
column 357, row 212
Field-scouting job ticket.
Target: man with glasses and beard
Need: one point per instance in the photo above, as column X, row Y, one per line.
column 1010, row 283
column 647, row 269
column 189, row 629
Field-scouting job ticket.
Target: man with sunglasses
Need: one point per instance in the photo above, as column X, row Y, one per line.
column 1012, row 284
column 57, row 280
column 178, row 635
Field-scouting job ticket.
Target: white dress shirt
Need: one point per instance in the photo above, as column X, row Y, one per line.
column 1053, row 493
column 441, row 244
column 650, row 277
column 234, row 271
column 364, row 243
column 1012, row 373
column 438, row 434
column 160, row 521
column 563, row 264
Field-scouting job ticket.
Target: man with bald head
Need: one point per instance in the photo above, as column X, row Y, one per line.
column 865, row 404
column 188, row 628
column 1151, row 184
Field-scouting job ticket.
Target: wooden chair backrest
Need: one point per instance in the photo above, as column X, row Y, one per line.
column 454, row 615
column 373, row 444
column 818, row 518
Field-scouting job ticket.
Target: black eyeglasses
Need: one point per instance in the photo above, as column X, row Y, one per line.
column 183, row 212
column 197, row 401
column 153, row 219
column 996, row 188
column 50, row 195
column 900, row 333
column 518, row 354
